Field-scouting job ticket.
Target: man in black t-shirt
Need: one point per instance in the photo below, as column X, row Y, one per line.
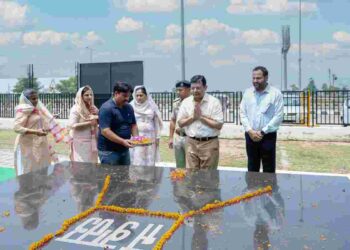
column 116, row 125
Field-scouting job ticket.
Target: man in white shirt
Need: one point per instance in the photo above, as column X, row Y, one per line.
column 202, row 118
column 261, row 113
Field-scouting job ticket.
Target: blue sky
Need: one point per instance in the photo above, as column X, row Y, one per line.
column 225, row 39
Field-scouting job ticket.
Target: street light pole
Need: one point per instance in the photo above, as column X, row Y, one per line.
column 183, row 72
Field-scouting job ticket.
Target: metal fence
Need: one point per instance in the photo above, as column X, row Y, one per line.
column 229, row 100
column 56, row 103
column 8, row 102
column 295, row 107
column 300, row 107
column 331, row 107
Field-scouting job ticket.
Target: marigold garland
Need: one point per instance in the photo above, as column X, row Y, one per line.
column 67, row 223
column 177, row 174
column 41, row 243
column 140, row 211
column 167, row 235
column 103, row 191
column 210, row 206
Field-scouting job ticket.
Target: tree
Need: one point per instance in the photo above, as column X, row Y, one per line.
column 67, row 86
column 311, row 86
column 23, row 83
column 325, row 86
column 294, row 87
column 333, row 88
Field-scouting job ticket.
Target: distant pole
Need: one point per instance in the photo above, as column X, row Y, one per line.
column 30, row 73
column 285, row 71
column 183, row 72
column 299, row 44
column 281, row 71
column 285, row 49
column 329, row 75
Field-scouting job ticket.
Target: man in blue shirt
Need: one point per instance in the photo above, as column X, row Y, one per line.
column 116, row 125
column 261, row 113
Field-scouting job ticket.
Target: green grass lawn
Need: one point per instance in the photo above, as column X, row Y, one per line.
column 318, row 156
column 331, row 157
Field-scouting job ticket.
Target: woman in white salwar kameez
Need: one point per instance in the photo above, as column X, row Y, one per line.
column 149, row 123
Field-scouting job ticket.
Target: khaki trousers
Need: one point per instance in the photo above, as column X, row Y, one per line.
column 202, row 154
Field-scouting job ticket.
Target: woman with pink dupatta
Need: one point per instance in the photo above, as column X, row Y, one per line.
column 83, row 127
column 149, row 123
column 32, row 121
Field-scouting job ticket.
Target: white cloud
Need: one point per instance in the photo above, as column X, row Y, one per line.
column 244, row 59
column 172, row 30
column 257, row 37
column 50, row 37
column 91, row 36
column 197, row 29
column 236, row 59
column 12, row 13
column 214, row 49
column 9, row 37
column 341, row 36
column 190, row 42
column 90, row 39
column 222, row 62
column 264, row 50
column 151, row 5
column 268, row 6
column 316, row 49
column 44, row 37
column 166, row 45
column 207, row 27
column 127, row 24
column 192, row 2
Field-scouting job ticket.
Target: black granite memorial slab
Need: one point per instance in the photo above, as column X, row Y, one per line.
column 301, row 212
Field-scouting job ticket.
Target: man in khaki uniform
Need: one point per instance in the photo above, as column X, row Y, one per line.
column 177, row 135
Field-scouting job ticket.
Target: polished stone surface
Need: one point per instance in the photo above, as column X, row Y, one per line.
column 302, row 212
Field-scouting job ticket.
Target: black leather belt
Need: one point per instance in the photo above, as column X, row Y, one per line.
column 203, row 138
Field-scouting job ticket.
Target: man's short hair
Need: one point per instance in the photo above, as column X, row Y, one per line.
column 183, row 84
column 263, row 69
column 122, row 87
column 197, row 78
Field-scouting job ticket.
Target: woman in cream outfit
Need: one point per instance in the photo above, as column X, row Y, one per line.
column 83, row 127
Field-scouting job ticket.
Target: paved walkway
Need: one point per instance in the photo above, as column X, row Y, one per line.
column 7, row 158
column 232, row 131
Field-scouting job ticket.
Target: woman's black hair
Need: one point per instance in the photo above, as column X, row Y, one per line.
column 143, row 90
